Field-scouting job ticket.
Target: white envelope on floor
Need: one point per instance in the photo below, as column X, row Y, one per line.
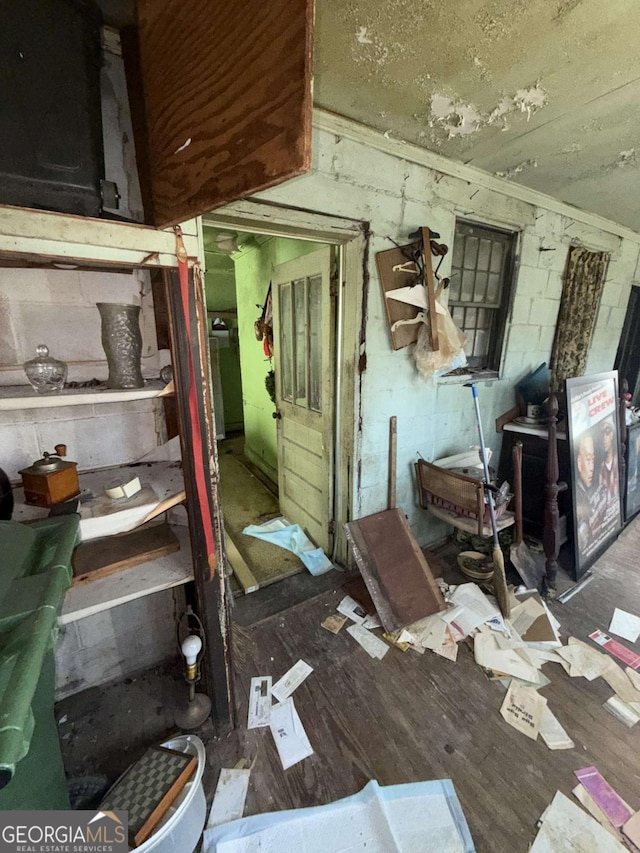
column 289, row 734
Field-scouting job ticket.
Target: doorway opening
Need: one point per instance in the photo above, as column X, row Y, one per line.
column 275, row 317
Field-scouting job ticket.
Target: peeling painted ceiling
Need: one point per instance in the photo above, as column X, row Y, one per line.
column 545, row 93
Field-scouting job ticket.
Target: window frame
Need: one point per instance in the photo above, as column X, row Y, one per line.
column 495, row 350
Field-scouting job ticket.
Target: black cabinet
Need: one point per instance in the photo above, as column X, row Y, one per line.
column 534, row 465
column 51, row 150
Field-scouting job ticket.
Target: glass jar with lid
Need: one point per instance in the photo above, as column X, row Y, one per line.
column 45, row 373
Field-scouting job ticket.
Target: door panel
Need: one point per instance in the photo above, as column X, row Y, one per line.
column 227, row 92
column 304, row 346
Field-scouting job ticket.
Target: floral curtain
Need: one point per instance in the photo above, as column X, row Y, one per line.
column 583, row 282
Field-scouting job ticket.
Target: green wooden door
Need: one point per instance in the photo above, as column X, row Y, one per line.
column 304, row 342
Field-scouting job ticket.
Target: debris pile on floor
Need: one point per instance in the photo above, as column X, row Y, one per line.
column 611, row 825
column 511, row 651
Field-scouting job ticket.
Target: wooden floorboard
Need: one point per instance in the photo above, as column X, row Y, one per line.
column 405, row 718
column 410, row 717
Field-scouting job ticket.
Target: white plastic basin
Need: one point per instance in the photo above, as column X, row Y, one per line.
column 181, row 827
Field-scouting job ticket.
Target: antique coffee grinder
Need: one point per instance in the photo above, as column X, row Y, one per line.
column 50, row 480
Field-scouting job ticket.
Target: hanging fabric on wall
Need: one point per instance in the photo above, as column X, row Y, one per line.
column 581, row 292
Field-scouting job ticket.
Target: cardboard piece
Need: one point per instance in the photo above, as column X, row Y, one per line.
column 523, row 708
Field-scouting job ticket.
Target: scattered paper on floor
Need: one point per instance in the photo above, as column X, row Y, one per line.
column 428, row 632
column 488, row 654
column 373, row 645
column 334, row 623
column 523, row 708
column 584, row 660
column 565, row 827
column 449, row 649
column 616, row 649
column 624, row 688
column 625, row 625
column 475, row 608
column 622, row 711
column 632, row 829
column 552, row 732
column 259, row 702
column 289, row 735
column 230, row 797
column 291, row 680
column 609, row 800
column 585, row 799
column 351, row 609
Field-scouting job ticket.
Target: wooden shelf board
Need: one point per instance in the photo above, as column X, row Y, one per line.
column 164, row 478
column 93, row 596
column 22, row 397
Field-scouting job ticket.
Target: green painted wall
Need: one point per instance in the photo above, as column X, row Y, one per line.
column 220, row 288
column 254, row 269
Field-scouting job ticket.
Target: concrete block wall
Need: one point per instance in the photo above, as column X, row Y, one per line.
column 117, row 643
column 58, row 308
column 395, row 194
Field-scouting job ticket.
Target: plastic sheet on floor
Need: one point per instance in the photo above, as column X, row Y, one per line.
column 420, row 817
column 292, row 537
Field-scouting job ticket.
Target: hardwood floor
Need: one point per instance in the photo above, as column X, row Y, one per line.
column 406, row 718
column 411, row 717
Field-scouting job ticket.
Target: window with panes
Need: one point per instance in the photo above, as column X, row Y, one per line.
column 480, row 288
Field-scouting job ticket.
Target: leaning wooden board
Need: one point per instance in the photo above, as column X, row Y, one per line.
column 102, row 557
column 394, row 568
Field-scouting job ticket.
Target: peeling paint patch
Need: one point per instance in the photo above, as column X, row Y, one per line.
column 457, row 119
column 511, row 173
column 526, row 101
column 504, row 108
column 362, row 36
column 460, row 119
column 627, row 158
column 530, row 101
column 573, row 148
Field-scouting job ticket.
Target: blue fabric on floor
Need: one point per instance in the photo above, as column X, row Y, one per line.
column 292, row 537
